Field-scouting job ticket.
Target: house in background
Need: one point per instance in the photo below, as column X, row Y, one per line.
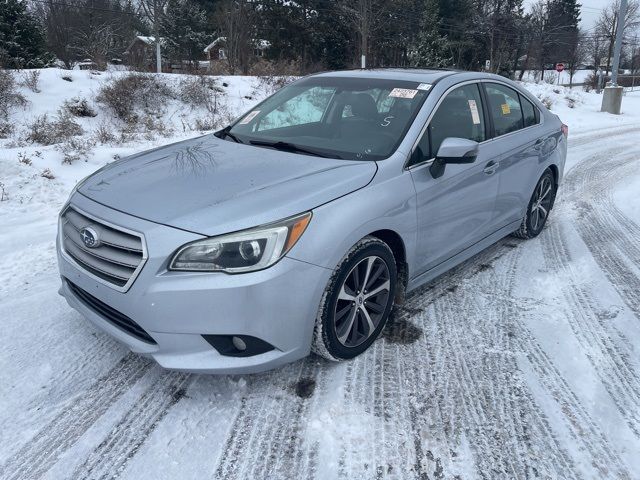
column 141, row 53
column 217, row 55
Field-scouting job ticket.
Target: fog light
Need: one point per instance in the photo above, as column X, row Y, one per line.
column 239, row 343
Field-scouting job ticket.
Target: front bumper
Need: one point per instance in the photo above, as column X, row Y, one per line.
column 277, row 305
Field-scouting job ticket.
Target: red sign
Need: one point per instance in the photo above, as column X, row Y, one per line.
column 559, row 67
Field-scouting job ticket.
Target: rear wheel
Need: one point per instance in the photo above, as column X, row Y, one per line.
column 357, row 301
column 539, row 207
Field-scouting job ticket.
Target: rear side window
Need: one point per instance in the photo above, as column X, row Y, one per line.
column 459, row 115
column 504, row 106
column 528, row 112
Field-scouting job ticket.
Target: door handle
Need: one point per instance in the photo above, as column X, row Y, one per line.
column 491, row 167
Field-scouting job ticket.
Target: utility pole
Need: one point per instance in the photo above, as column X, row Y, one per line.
column 612, row 98
column 156, row 28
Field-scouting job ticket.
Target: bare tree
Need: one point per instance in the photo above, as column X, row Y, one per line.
column 61, row 21
column 96, row 43
column 236, row 22
column 607, row 24
column 364, row 16
column 576, row 49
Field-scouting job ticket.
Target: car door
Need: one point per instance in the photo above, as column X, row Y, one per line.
column 455, row 210
column 517, row 135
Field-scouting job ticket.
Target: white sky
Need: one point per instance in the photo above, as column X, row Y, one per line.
column 590, row 11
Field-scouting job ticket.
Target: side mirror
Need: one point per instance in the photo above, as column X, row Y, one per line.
column 453, row 150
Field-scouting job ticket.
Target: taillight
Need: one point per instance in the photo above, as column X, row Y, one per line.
column 565, row 130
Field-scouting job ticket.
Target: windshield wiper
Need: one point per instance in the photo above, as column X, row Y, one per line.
column 225, row 132
column 287, row 147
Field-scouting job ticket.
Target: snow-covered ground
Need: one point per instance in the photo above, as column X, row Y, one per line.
column 524, row 362
column 579, row 76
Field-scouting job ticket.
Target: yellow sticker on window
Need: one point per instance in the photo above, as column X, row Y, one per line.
column 505, row 109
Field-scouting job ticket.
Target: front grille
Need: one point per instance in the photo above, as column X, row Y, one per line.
column 118, row 256
column 110, row 314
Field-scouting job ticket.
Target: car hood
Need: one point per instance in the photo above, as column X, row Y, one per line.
column 211, row 186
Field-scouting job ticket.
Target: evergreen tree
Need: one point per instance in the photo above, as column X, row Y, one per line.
column 185, row 30
column 22, row 42
column 431, row 46
column 561, row 29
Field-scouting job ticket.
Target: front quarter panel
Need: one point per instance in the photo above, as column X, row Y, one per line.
column 388, row 203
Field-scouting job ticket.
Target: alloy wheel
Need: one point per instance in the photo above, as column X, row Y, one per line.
column 541, row 203
column 362, row 301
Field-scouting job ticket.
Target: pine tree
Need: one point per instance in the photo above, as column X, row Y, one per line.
column 431, row 46
column 185, row 30
column 561, row 29
column 22, row 42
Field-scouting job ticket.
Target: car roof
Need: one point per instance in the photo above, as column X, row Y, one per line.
column 415, row 74
column 425, row 75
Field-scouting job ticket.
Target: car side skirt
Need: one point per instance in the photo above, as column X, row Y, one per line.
column 462, row 256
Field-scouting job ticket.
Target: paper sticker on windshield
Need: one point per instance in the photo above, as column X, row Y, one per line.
column 249, row 117
column 505, row 109
column 474, row 112
column 403, row 93
column 424, row 86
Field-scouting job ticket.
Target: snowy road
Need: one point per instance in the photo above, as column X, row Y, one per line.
column 524, row 362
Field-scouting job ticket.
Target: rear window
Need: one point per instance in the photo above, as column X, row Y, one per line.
column 505, row 109
column 528, row 112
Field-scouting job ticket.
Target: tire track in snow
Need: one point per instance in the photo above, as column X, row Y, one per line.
column 43, row 451
column 506, row 417
column 613, row 244
column 581, row 426
column 598, row 135
column 578, row 178
column 445, row 389
column 111, row 457
column 606, row 356
column 388, row 369
column 275, row 399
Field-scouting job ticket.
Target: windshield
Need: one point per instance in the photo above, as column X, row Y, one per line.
column 350, row 118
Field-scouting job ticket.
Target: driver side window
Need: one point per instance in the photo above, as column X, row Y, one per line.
column 459, row 115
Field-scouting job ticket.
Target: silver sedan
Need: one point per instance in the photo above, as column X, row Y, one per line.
column 298, row 227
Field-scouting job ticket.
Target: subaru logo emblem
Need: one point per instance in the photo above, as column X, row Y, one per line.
column 90, row 237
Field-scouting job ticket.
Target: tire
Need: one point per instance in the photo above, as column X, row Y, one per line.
column 343, row 304
column 538, row 209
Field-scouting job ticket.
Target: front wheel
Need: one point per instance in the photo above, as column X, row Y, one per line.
column 357, row 301
column 539, row 207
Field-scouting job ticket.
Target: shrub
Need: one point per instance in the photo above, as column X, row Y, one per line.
column 103, row 134
column 22, row 158
column 49, row 132
column 79, row 107
column 546, row 101
column 216, row 118
column 31, row 80
column 74, row 149
column 199, row 91
column 48, row 174
column 6, row 129
column 124, row 95
column 272, row 76
column 153, row 125
column 8, row 95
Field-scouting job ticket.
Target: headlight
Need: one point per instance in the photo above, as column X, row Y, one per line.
column 244, row 251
